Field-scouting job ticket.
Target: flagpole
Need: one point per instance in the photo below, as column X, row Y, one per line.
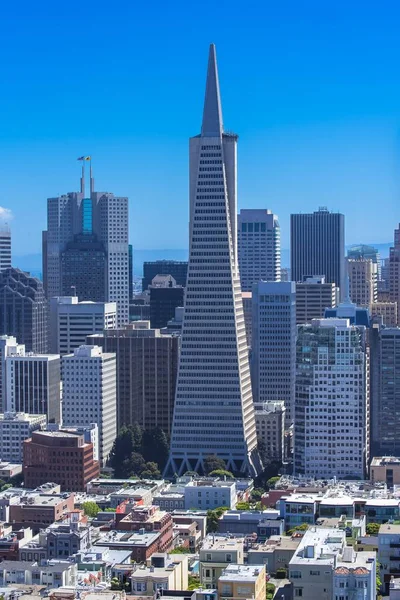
column 83, row 179
column 91, row 178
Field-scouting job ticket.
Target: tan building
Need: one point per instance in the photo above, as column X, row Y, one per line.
column 363, row 281
column 313, row 296
column 275, row 553
column 240, row 582
column 270, row 427
column 216, row 554
column 386, row 310
column 162, row 571
column 385, row 469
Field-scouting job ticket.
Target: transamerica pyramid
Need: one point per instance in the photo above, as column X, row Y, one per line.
column 213, row 403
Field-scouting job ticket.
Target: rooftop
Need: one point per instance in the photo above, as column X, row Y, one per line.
column 276, row 541
column 389, row 528
column 214, row 542
column 127, row 538
column 381, row 461
column 242, row 573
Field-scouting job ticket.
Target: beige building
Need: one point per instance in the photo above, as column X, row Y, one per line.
column 216, row 554
column 363, row 281
column 275, row 553
column 385, row 469
column 239, row 582
column 162, row 572
column 270, row 427
column 386, row 310
column 313, row 296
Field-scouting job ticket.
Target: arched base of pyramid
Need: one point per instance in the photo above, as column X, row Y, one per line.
column 249, row 465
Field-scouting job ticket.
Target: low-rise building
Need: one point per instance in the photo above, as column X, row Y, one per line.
column 389, row 553
column 385, row 469
column 162, row 572
column 14, row 429
column 12, row 541
column 142, row 544
column 275, row 553
column 324, row 567
column 148, row 518
column 52, row 574
column 206, row 494
column 239, row 522
column 216, row 554
column 38, row 509
column 240, row 582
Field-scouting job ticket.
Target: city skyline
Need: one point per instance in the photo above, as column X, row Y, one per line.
column 316, row 128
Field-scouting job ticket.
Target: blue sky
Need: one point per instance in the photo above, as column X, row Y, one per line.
column 312, row 89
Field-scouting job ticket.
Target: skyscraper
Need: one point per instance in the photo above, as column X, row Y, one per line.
column 313, row 296
column 165, row 297
column 86, row 248
column 363, row 280
column 213, row 407
column 317, row 247
column 23, row 309
column 259, row 245
column 331, row 425
column 274, row 343
column 177, row 269
column 393, row 272
column 5, row 247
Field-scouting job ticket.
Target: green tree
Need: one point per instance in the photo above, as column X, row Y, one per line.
column 272, row 481
column 221, row 473
column 155, row 446
column 378, row 580
column 213, row 463
column 242, row 506
column 373, row 528
column 121, row 451
column 256, row 494
column 302, row 527
column 213, row 518
column 151, row 471
column 193, row 582
column 180, row 550
column 90, row 508
column 135, row 464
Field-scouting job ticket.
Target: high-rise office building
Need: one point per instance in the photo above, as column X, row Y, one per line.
column 165, row 297
column 147, row 365
column 363, row 280
column 33, row 385
column 331, row 425
column 274, row 343
column 393, row 272
column 90, row 393
column 130, row 255
column 5, row 247
column 23, row 309
column 14, row 429
column 176, row 268
column 364, row 251
column 214, row 411
column 8, row 347
column 313, row 296
column 387, row 311
column 385, row 391
column 72, row 321
column 259, row 246
column 86, row 248
column 317, row 247
column 270, row 426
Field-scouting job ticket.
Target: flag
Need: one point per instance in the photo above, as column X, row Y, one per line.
column 84, row 158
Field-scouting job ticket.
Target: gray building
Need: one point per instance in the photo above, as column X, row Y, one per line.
column 5, row 247
column 317, row 247
column 274, row 343
column 147, row 364
column 259, row 247
column 23, row 309
column 178, row 270
column 86, row 248
column 385, row 391
column 313, row 296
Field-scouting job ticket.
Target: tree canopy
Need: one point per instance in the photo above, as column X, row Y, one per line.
column 140, row 453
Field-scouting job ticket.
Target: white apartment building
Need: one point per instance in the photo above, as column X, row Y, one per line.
column 5, row 247
column 259, row 247
column 274, row 343
column 363, row 281
column 89, row 393
column 33, row 385
column 8, row 347
column 72, row 321
column 217, row 553
column 331, row 427
column 204, row 495
column 324, row 567
column 14, row 429
column 388, row 552
column 313, row 296
column 270, row 426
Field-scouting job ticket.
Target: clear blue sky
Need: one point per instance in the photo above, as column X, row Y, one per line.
column 312, row 89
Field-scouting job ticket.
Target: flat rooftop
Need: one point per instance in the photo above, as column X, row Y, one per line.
column 213, row 542
column 242, row 573
column 319, row 544
column 276, row 541
column 388, row 528
column 381, row 461
column 129, row 539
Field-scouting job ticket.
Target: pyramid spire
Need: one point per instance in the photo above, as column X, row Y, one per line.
column 212, row 114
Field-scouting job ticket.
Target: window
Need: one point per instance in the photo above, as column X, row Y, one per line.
column 298, row 592
column 229, row 558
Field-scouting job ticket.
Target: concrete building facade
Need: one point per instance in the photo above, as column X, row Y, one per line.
column 313, row 296
column 363, row 281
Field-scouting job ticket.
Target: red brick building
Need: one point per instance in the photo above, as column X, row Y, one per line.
column 59, row 456
column 148, row 519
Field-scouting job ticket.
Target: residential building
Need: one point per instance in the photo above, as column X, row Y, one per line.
column 385, row 469
column 8, row 347
column 217, row 553
column 142, row 544
column 15, row 428
column 387, row 311
column 274, row 343
column 240, row 582
column 317, row 247
column 388, row 553
column 54, row 574
column 23, row 309
column 270, row 426
column 72, row 321
column 259, row 247
column 69, row 537
column 33, row 385
column 61, row 456
column 147, row 365
column 275, row 553
column 244, row 523
column 331, row 432
column 177, row 270
column 5, row 247
column 12, row 541
column 148, row 518
column 163, row 572
column 206, row 495
column 324, row 567
column 40, row 508
column 165, row 297
column 385, row 390
column 313, row 296
column 89, row 393
column 86, row 247
column 213, row 408
column 363, row 280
